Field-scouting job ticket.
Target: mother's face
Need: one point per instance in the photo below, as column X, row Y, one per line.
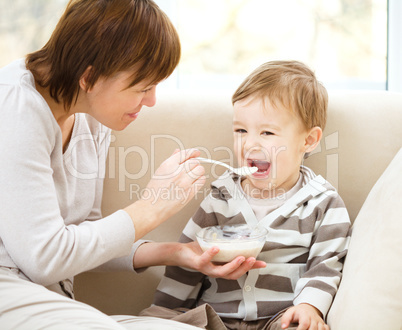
column 113, row 104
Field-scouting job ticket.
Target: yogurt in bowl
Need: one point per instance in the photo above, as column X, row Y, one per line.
column 232, row 240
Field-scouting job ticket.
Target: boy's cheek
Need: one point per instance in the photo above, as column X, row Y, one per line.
column 237, row 150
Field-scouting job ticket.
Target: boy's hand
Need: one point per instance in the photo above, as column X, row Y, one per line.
column 201, row 261
column 308, row 317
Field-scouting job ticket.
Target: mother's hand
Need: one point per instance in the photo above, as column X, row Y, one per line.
column 191, row 256
column 173, row 185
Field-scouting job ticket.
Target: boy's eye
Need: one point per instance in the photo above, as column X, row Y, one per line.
column 240, row 131
column 267, row 133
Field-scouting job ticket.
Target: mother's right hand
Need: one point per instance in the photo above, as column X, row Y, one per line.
column 172, row 186
column 190, row 255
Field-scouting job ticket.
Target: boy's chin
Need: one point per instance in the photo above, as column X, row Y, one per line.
column 253, row 185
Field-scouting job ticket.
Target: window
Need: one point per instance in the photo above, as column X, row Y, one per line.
column 25, row 26
column 344, row 41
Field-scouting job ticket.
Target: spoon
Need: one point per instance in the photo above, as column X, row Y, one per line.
column 245, row 170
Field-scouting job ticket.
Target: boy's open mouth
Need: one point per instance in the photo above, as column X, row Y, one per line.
column 262, row 165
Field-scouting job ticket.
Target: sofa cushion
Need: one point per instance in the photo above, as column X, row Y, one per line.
column 369, row 296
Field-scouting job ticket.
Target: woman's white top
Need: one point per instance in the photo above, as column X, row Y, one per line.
column 51, row 226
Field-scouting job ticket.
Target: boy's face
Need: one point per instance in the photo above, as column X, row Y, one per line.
column 271, row 138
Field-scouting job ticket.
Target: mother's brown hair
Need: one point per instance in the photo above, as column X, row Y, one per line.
column 107, row 36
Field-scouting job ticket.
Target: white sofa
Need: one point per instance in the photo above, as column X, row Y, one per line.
column 362, row 136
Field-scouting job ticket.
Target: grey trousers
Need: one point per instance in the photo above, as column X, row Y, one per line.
column 205, row 317
column 25, row 305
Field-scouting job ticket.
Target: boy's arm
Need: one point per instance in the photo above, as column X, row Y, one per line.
column 179, row 286
column 318, row 285
column 171, row 284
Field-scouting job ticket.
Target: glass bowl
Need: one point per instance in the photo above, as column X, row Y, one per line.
column 232, row 240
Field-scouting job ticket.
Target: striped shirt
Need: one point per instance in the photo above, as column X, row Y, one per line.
column 306, row 244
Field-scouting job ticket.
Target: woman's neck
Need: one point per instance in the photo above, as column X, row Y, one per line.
column 65, row 119
column 57, row 108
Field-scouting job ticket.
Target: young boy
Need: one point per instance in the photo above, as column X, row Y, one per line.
column 279, row 114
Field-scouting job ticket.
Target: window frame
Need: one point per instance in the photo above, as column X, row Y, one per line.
column 394, row 47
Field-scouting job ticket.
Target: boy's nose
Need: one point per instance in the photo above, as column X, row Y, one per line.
column 252, row 143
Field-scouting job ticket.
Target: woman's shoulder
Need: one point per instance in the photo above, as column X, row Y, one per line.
column 18, row 91
column 18, row 84
column 23, row 112
column 14, row 72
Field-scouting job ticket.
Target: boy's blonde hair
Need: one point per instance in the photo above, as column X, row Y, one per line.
column 292, row 84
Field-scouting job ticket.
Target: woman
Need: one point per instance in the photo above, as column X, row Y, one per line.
column 100, row 66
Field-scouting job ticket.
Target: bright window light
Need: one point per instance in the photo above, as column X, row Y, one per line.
column 343, row 41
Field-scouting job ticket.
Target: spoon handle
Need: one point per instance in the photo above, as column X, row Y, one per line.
column 207, row 160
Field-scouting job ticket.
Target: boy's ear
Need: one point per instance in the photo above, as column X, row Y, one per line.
column 84, row 79
column 312, row 139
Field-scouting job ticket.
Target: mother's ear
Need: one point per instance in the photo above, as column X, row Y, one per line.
column 312, row 139
column 84, row 79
